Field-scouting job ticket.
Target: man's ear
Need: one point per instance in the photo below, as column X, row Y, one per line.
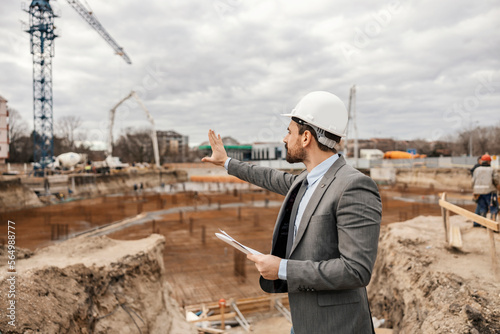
column 306, row 138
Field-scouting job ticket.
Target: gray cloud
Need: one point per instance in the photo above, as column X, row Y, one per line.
column 236, row 65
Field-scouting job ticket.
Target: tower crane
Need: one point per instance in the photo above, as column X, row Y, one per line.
column 42, row 35
column 154, row 138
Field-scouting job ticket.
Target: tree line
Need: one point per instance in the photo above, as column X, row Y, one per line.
column 135, row 145
column 132, row 146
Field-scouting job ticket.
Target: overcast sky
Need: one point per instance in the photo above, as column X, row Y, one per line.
column 422, row 69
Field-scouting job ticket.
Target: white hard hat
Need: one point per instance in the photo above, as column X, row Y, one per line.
column 325, row 112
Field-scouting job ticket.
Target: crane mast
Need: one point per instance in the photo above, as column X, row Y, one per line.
column 41, row 18
column 94, row 23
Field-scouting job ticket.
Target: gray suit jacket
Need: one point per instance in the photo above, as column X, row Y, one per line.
column 332, row 257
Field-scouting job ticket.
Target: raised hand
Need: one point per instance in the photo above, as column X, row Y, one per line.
column 219, row 155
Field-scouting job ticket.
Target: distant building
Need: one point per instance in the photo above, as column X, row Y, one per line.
column 233, row 148
column 173, row 146
column 4, row 130
column 230, row 141
column 371, row 154
column 269, row 151
column 256, row 151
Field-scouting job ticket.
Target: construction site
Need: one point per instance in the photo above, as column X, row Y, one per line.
column 153, row 252
column 120, row 232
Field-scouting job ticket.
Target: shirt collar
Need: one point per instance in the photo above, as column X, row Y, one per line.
column 321, row 169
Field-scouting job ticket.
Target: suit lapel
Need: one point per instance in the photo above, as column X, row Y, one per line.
column 324, row 183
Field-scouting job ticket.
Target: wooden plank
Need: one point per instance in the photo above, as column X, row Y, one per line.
column 490, row 224
column 493, row 253
column 244, row 301
column 383, row 331
column 444, row 213
column 455, row 236
column 246, row 306
column 466, row 213
column 210, row 330
column 215, row 317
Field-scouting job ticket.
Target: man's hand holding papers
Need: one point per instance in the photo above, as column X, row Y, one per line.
column 267, row 265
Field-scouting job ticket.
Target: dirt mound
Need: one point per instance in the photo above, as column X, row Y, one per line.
column 420, row 285
column 92, row 285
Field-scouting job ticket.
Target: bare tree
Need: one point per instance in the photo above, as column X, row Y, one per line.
column 66, row 128
column 479, row 140
column 20, row 142
column 495, row 139
column 18, row 127
column 482, row 140
column 134, row 145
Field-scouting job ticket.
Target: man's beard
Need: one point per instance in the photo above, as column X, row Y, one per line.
column 298, row 155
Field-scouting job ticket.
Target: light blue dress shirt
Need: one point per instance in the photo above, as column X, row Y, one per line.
column 226, row 164
column 312, row 179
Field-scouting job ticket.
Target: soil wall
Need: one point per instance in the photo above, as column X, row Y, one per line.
column 15, row 195
column 19, row 193
column 457, row 179
column 419, row 285
column 91, row 285
column 92, row 185
column 453, row 179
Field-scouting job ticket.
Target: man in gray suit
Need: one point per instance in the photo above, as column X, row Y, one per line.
column 326, row 234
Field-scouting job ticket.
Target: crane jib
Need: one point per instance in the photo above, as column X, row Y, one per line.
column 94, row 23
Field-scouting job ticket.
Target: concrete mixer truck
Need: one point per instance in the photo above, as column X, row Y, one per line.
column 69, row 160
